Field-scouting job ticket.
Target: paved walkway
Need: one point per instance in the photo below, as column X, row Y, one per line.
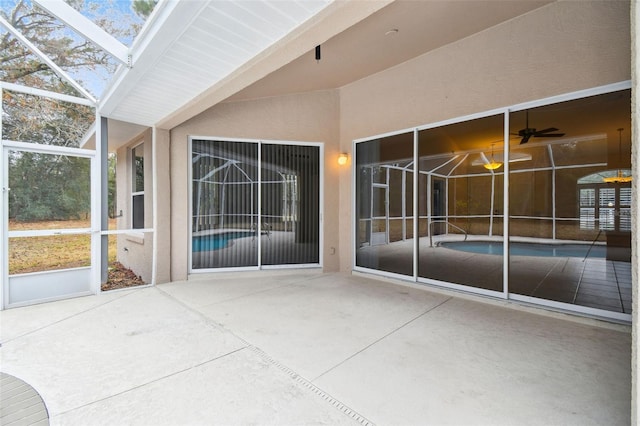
column 305, row 348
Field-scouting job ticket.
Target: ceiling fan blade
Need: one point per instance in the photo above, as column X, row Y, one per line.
column 550, row 129
column 525, row 139
column 550, row 135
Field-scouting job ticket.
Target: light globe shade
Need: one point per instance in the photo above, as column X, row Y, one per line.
column 343, row 159
column 492, row 165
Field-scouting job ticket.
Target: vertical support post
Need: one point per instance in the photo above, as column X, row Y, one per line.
column 259, row 227
column 154, row 194
column 553, row 190
column 416, row 218
column 104, row 198
column 429, row 204
column 492, row 204
column 404, row 204
column 96, row 211
column 4, row 213
column 505, row 222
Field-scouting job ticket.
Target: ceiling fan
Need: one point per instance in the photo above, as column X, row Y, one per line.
column 529, row 132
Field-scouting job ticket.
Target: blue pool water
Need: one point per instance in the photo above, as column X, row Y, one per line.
column 216, row 241
column 527, row 249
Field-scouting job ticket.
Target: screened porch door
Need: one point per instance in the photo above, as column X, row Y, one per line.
column 255, row 204
column 48, row 239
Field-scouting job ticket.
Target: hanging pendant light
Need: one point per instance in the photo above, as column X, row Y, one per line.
column 493, row 164
column 620, row 176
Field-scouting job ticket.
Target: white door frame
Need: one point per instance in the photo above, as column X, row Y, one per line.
column 5, row 234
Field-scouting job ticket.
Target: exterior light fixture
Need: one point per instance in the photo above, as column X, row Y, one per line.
column 620, row 176
column 343, row 159
column 318, row 53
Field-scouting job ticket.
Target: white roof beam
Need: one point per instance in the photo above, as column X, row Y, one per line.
column 43, row 57
column 86, row 28
column 45, row 94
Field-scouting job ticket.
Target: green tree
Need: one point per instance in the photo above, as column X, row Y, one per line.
column 143, row 8
column 49, row 186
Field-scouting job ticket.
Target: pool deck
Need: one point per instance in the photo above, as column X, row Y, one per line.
column 302, row 347
column 592, row 282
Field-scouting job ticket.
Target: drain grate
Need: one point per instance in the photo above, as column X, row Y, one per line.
column 313, row 388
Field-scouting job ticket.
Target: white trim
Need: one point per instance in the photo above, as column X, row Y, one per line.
column 579, row 94
column 46, row 94
column 86, row 28
column 96, row 210
column 49, row 232
column 127, row 231
column 46, row 59
column 154, row 199
column 4, row 219
column 48, row 149
column 505, row 209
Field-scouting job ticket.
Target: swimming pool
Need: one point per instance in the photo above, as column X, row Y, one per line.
column 527, row 249
column 216, row 241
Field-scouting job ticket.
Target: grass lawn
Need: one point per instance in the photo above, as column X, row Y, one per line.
column 35, row 254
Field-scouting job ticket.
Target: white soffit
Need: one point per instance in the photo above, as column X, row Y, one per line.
column 190, row 46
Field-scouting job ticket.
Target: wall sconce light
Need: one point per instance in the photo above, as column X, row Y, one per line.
column 343, row 158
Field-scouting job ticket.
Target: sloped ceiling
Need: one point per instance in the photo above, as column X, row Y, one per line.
column 197, row 54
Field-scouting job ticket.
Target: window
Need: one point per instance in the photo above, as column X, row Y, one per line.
column 137, row 190
column 613, row 209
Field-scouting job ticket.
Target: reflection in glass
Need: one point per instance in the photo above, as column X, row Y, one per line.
column 461, row 181
column 225, row 204
column 241, row 203
column 384, row 204
column 565, row 200
column 290, row 211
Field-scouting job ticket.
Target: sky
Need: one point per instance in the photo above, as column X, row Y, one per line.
column 119, row 12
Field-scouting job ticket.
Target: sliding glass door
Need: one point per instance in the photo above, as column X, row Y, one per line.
column 530, row 203
column 255, row 204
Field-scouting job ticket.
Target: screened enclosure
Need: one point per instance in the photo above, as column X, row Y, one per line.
column 255, row 204
column 565, row 219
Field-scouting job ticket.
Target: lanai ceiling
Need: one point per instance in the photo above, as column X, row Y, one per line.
column 220, row 50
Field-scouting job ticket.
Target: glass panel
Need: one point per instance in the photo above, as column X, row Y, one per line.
column 384, row 239
column 460, row 203
column 138, row 211
column 48, row 191
column 290, row 204
column 225, row 204
column 570, row 237
column 138, row 168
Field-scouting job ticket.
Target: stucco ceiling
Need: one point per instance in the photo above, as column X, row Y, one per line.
column 373, row 45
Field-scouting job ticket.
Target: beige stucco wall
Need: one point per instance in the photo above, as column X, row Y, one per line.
column 560, row 48
column 310, row 117
column 135, row 249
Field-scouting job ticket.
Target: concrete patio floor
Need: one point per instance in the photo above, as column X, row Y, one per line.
column 302, row 347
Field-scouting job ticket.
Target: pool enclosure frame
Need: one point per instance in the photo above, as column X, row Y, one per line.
column 98, row 231
column 414, row 164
